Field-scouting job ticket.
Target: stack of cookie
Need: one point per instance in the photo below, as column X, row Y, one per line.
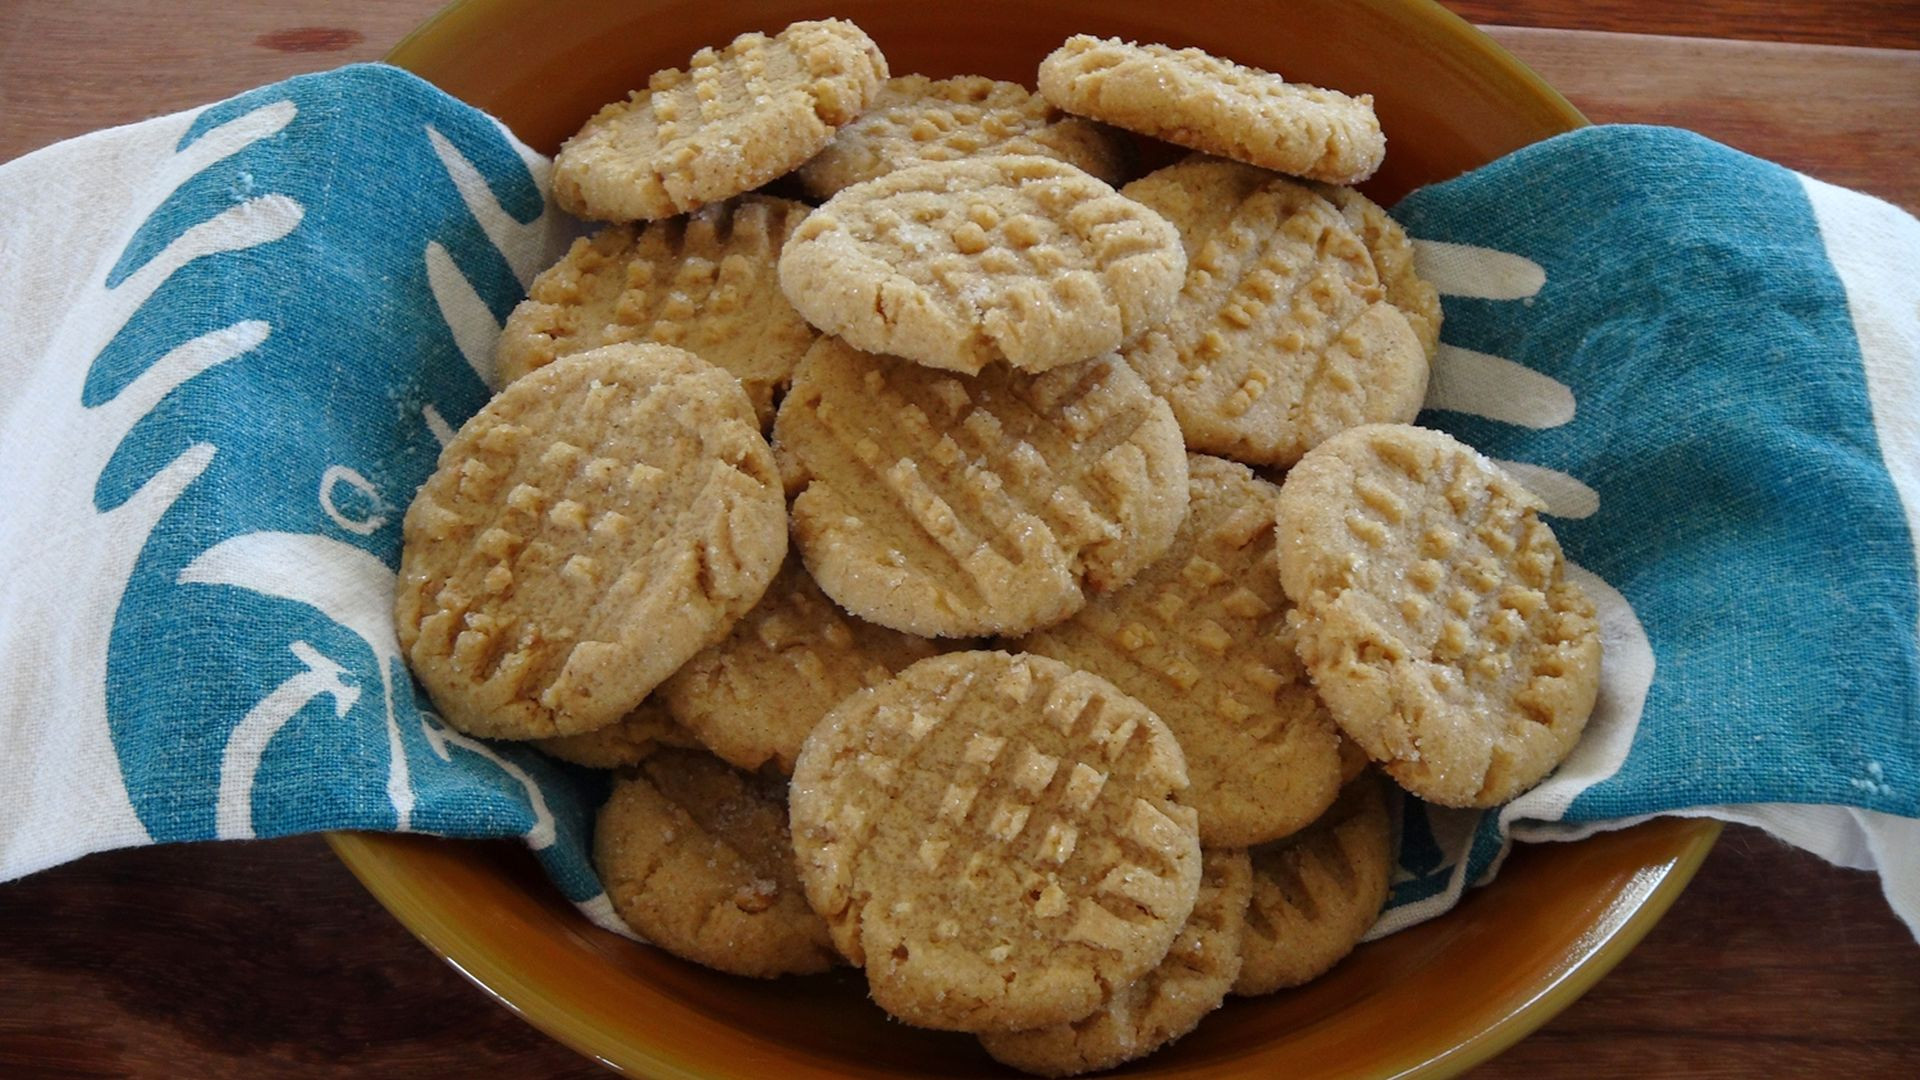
column 1010, row 402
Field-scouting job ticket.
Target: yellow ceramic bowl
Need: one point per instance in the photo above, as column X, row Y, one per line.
column 1431, row 1001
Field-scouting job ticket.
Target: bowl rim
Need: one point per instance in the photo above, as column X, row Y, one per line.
column 388, row 864
column 407, row 51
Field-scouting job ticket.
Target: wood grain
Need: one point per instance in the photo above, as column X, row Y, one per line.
column 1890, row 24
column 1848, row 116
column 66, row 69
column 266, row 958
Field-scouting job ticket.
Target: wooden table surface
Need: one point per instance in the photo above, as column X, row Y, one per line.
column 266, row 958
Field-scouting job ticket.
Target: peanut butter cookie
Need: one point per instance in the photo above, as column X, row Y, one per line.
column 593, row 527
column 735, row 119
column 1202, row 102
column 708, row 283
column 1201, row 638
column 1282, row 333
column 629, row 740
column 754, row 697
column 1392, row 252
column 1161, row 1006
column 997, row 839
column 916, row 120
column 1434, row 613
column 1317, row 893
column 696, row 859
column 960, row 264
column 953, row 507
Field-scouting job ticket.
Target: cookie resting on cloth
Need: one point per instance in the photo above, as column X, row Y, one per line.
column 594, row 526
column 1434, row 613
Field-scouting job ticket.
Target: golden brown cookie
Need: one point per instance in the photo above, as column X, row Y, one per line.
column 1199, row 101
column 708, row 283
column 916, row 120
column 1162, row 1005
column 1282, row 334
column 1317, row 893
column 696, row 858
column 627, row 741
column 944, row 506
column 1201, row 638
column 1434, row 613
column 997, row 839
column 597, row 524
column 754, row 697
column 960, row 264
column 1392, row 252
column 732, row 121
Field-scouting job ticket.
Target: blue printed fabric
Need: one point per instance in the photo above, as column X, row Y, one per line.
column 268, row 316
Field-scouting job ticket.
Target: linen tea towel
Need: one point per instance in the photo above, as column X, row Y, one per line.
column 237, row 338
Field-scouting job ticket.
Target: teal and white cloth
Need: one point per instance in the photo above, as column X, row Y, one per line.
column 234, row 340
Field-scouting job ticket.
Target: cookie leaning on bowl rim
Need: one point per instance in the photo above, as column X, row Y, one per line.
column 695, row 857
column 916, row 120
column 1205, row 103
column 1435, row 614
column 1317, row 893
column 996, row 839
column 734, row 120
column 595, row 525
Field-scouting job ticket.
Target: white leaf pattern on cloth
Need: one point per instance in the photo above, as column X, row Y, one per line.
column 1499, row 389
column 57, row 524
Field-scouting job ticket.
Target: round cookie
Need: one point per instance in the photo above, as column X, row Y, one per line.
column 1434, row 613
column 708, row 283
column 1201, row 638
column 697, row 859
column 997, row 839
column 960, row 264
column 627, row 741
column 754, row 697
column 734, row 120
column 1202, row 102
column 1392, row 252
column 1161, row 1006
column 1282, row 334
column 593, row 527
column 951, row 507
column 1317, row 893
column 915, row 120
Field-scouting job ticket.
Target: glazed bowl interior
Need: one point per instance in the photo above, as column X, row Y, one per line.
column 1432, row 1000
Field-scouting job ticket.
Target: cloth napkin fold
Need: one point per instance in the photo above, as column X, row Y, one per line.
column 236, row 338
